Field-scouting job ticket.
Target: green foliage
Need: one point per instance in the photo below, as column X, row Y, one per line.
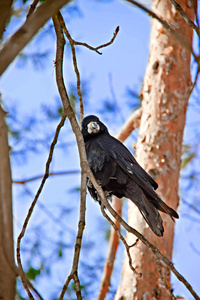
column 32, row 273
column 53, row 112
column 38, row 60
column 73, row 101
column 188, row 156
column 187, row 159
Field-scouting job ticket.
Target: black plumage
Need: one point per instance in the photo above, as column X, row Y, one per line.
column 119, row 174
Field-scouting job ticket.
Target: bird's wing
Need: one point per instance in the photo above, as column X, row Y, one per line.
column 126, row 161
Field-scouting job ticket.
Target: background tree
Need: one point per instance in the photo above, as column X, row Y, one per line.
column 166, row 91
column 7, row 266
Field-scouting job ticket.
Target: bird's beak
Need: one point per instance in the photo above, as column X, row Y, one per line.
column 94, row 125
column 93, row 128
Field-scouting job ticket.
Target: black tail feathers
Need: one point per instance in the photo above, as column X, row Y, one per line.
column 151, row 215
column 162, row 206
column 149, row 207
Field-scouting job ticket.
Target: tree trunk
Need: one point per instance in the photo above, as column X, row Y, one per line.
column 166, row 89
column 7, row 267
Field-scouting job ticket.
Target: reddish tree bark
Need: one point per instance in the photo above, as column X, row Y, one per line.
column 166, row 92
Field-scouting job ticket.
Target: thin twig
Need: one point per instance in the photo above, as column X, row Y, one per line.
column 65, row 286
column 185, row 16
column 111, row 41
column 197, row 19
column 131, row 123
column 195, row 80
column 34, row 289
column 60, row 173
column 191, row 206
column 96, row 49
column 77, row 286
column 122, row 239
column 30, row 211
column 72, row 44
column 81, row 147
column 71, row 41
column 32, row 8
column 163, row 278
column 169, row 27
column 55, row 219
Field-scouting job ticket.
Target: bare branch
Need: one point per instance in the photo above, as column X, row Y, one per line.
column 105, row 203
column 185, row 16
column 111, row 41
column 22, row 275
column 72, row 44
column 83, row 160
column 32, row 8
column 131, row 123
column 61, row 173
column 71, row 41
column 197, row 18
column 112, row 249
column 5, row 13
column 163, row 278
column 191, row 206
column 65, row 286
column 123, row 241
column 195, row 79
column 169, row 27
column 56, row 220
column 27, row 31
column 156, row 252
column 101, row 46
column 18, row 271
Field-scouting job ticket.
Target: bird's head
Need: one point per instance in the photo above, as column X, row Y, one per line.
column 92, row 126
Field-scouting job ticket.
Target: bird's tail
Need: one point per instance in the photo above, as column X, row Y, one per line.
column 162, row 206
column 149, row 212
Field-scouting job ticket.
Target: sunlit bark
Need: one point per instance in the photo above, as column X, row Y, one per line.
column 166, row 89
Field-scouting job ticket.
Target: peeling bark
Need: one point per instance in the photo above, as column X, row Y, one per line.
column 166, row 92
column 7, row 267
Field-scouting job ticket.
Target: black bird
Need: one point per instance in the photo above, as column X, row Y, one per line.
column 119, row 174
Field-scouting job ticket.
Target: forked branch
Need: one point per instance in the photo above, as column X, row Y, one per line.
column 72, row 44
